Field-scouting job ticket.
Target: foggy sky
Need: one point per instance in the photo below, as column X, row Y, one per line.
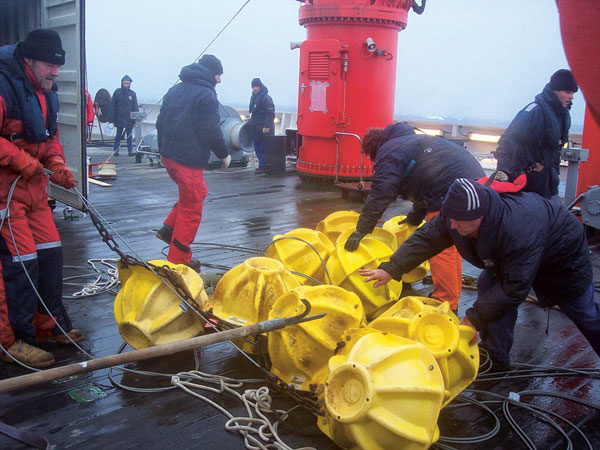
column 476, row 60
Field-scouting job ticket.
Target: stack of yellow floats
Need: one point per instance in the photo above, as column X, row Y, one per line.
column 381, row 384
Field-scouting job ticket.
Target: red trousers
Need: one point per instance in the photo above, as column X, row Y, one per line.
column 29, row 241
column 186, row 215
column 446, row 273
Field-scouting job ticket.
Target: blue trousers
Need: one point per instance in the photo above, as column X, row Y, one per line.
column 584, row 311
column 128, row 131
column 259, row 150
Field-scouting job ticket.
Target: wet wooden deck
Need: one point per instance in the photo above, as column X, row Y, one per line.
column 243, row 209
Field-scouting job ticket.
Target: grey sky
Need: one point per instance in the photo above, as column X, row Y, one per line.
column 476, row 60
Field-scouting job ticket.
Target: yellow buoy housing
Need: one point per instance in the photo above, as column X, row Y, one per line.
column 385, row 394
column 335, row 223
column 385, row 236
column 246, row 293
column 402, row 232
column 343, row 268
column 148, row 312
column 294, row 251
column 300, row 353
column 431, row 323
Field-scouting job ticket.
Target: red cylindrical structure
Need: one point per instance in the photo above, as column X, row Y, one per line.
column 581, row 38
column 347, row 81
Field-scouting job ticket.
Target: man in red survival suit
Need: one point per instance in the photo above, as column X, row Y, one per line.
column 30, row 249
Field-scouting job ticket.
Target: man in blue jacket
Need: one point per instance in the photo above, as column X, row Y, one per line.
column 123, row 103
column 418, row 168
column 262, row 119
column 533, row 140
column 521, row 241
column 188, row 127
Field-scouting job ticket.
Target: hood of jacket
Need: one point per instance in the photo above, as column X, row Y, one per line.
column 9, row 61
column 396, row 130
column 557, row 118
column 255, row 99
column 197, row 74
column 549, row 97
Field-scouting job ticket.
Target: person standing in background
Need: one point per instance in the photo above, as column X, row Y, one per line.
column 262, row 120
column 533, row 140
column 123, row 103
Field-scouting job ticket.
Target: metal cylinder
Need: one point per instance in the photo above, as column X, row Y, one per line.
column 347, row 80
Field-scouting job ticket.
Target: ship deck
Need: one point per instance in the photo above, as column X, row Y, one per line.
column 246, row 210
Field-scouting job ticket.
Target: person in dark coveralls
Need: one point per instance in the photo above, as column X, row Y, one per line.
column 262, row 120
column 418, row 168
column 123, row 103
column 29, row 240
column 188, row 129
column 533, row 140
column 521, row 241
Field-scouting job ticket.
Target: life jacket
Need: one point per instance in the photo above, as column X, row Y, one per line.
column 22, row 103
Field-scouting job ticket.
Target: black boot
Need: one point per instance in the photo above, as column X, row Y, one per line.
column 194, row 264
column 165, row 234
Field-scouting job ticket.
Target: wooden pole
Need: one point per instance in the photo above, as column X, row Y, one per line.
column 92, row 365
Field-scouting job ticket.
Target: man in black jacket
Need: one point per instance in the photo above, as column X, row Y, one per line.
column 521, row 241
column 123, row 103
column 188, row 129
column 418, row 168
column 533, row 140
column 262, row 119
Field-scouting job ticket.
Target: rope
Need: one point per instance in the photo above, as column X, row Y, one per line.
column 256, row 428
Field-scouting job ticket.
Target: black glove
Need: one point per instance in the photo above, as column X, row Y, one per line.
column 411, row 219
column 354, row 240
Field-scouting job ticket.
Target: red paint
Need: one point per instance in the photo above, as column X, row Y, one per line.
column 332, row 99
column 579, row 22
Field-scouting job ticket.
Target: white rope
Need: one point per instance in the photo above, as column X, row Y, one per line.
column 256, row 428
column 106, row 279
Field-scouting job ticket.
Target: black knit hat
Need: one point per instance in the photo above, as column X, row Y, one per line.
column 465, row 200
column 43, row 45
column 563, row 80
column 256, row 82
column 212, row 63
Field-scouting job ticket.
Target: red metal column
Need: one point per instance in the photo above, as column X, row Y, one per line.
column 346, row 85
column 579, row 21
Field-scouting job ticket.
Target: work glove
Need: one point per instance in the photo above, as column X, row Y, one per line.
column 353, row 241
column 411, row 219
column 266, row 130
column 501, row 176
column 62, row 175
column 27, row 165
column 226, row 161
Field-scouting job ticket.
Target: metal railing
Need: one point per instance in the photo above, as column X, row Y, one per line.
column 337, row 154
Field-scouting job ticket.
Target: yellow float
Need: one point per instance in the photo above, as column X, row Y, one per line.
column 147, row 311
column 343, row 268
column 431, row 323
column 402, row 233
column 300, row 353
column 385, row 236
column 386, row 393
column 246, row 293
column 335, row 223
column 294, row 251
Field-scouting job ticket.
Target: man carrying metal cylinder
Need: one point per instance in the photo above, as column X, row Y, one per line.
column 418, row 168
